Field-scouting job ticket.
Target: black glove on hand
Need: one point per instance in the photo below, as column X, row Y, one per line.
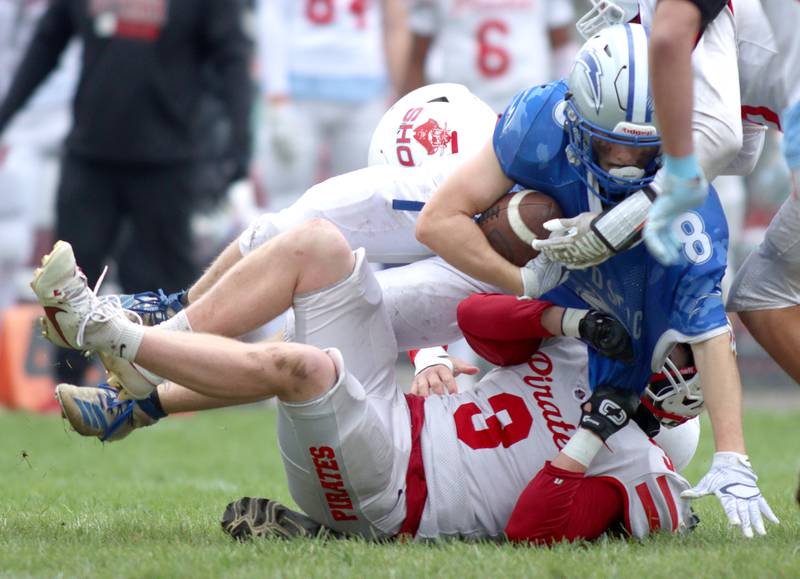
column 646, row 421
column 608, row 410
column 607, row 335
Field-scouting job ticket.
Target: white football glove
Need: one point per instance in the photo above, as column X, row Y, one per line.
column 589, row 239
column 733, row 481
column 573, row 242
column 540, row 275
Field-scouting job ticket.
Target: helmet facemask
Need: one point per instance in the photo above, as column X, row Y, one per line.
column 674, row 395
column 613, row 185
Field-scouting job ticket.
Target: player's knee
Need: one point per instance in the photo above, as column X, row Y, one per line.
column 301, row 372
column 318, row 240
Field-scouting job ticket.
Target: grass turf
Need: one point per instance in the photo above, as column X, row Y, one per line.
column 150, row 505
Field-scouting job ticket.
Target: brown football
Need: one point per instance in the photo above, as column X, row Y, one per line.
column 512, row 222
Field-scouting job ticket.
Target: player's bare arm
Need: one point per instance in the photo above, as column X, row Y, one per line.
column 418, row 55
column 446, row 223
column 396, row 42
column 731, row 478
column 723, row 391
column 564, row 49
column 672, row 37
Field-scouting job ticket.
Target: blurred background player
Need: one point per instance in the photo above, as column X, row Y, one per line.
column 133, row 164
column 328, row 69
column 494, row 47
column 30, row 147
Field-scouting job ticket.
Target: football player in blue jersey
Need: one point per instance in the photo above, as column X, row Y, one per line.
column 591, row 143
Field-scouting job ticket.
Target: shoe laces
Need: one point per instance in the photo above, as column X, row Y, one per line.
column 153, row 307
column 122, row 410
column 100, row 309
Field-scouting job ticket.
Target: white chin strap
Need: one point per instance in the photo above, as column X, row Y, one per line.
column 626, row 172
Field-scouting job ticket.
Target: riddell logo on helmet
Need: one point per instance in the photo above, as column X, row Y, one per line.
column 635, row 130
column 433, row 138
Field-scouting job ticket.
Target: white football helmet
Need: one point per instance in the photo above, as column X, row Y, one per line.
column 675, row 394
column 431, row 122
column 609, row 100
column 605, row 13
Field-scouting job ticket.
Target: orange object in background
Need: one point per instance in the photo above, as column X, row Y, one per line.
column 27, row 361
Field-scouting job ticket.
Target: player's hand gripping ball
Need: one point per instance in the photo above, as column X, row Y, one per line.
column 515, row 220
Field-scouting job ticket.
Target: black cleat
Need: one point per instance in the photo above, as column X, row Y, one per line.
column 607, row 335
column 252, row 517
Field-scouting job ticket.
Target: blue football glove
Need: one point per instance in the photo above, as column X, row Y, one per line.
column 683, row 187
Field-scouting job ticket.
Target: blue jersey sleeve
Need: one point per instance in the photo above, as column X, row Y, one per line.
column 697, row 306
column 529, row 138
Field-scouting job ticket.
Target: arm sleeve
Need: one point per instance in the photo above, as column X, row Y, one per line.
column 230, row 52
column 501, row 328
column 51, row 37
column 560, row 505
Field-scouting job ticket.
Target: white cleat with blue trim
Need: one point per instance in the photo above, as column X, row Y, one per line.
column 100, row 412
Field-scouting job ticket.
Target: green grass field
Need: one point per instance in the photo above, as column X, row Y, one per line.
column 149, row 506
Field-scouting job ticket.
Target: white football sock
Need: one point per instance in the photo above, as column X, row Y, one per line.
column 118, row 336
column 177, row 323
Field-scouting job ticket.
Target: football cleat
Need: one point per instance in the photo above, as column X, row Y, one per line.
column 264, row 518
column 71, row 308
column 134, row 381
column 57, row 282
column 154, row 307
column 100, row 412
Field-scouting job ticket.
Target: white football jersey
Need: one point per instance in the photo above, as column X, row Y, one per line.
column 761, row 72
column 737, row 49
column 339, row 43
column 481, row 448
column 494, row 47
column 784, row 16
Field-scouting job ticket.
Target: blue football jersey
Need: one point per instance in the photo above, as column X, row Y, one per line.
column 660, row 306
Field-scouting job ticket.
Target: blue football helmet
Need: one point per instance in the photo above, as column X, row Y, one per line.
column 609, row 101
